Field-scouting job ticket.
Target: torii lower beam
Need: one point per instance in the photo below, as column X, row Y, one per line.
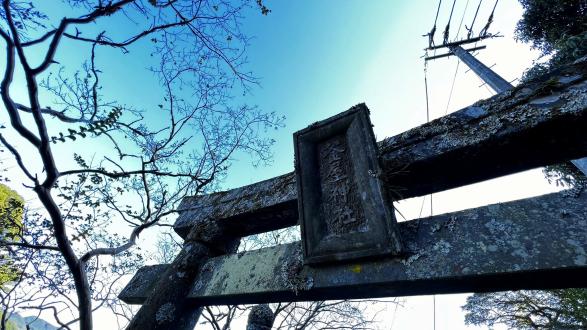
column 535, row 243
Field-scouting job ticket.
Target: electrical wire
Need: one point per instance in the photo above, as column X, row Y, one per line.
column 437, row 11
column 428, row 120
column 426, row 88
column 495, row 5
column 483, row 32
column 458, row 61
column 424, row 199
column 398, row 211
column 470, row 30
column 422, row 207
column 446, row 30
column 433, row 30
column 452, row 87
column 462, row 19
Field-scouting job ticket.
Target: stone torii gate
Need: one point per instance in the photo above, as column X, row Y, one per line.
column 352, row 247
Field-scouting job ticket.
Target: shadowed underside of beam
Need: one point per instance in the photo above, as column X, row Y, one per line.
column 515, row 245
column 535, row 124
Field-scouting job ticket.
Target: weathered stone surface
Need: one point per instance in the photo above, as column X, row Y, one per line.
column 343, row 208
column 535, row 124
column 256, row 208
column 135, row 292
column 167, row 307
column 524, row 244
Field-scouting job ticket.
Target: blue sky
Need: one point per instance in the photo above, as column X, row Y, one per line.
column 317, row 58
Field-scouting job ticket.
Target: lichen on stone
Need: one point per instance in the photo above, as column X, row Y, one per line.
column 442, row 246
column 577, row 101
column 291, row 273
column 412, row 258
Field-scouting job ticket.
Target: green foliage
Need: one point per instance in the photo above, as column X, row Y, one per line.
column 552, row 309
column 569, row 49
column 11, row 212
column 10, row 325
column 566, row 50
column 545, row 22
column 558, row 28
column 11, row 209
column 95, row 128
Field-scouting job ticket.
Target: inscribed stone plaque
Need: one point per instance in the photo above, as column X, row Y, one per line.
column 344, row 213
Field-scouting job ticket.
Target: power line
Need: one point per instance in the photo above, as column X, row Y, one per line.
column 427, row 118
column 433, row 30
column 398, row 211
column 422, row 207
column 452, row 87
column 489, row 21
column 493, row 11
column 437, row 11
column 426, row 88
column 462, row 19
column 458, row 63
column 470, row 30
column 446, row 30
column 430, row 44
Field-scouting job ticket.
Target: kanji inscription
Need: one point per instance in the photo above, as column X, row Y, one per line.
column 344, row 213
column 341, row 206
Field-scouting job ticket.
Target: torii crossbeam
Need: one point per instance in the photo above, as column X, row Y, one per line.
column 527, row 244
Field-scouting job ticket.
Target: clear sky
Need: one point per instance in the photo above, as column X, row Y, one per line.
column 318, row 58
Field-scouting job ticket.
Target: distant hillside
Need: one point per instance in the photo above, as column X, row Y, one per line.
column 17, row 322
column 39, row 324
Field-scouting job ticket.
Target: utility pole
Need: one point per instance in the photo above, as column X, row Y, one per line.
column 497, row 83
